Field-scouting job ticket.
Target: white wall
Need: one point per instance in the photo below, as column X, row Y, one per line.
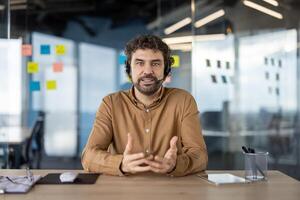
column 10, row 76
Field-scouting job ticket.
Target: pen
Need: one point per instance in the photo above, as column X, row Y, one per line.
column 245, row 149
column 251, row 150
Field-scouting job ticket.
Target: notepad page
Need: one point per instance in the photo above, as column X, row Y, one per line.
column 17, row 184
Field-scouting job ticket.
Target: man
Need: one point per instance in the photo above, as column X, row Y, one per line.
column 148, row 128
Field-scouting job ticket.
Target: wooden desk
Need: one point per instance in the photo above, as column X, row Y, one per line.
column 279, row 186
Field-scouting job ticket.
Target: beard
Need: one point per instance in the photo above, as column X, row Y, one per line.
column 148, row 85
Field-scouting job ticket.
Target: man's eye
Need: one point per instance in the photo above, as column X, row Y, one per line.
column 156, row 64
column 139, row 63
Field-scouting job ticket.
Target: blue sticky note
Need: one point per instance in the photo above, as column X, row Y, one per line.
column 35, row 86
column 122, row 59
column 45, row 49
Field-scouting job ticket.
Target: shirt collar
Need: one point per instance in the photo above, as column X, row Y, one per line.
column 155, row 102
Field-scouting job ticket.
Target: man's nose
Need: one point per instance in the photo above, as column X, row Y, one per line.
column 148, row 69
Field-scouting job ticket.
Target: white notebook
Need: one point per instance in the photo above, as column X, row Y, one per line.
column 17, row 184
column 220, row 179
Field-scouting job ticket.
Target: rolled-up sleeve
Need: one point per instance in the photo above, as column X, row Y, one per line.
column 95, row 156
column 193, row 157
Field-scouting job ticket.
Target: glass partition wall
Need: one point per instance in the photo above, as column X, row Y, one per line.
column 239, row 59
column 244, row 74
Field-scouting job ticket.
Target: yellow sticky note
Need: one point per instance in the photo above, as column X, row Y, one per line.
column 60, row 50
column 51, row 85
column 176, row 61
column 32, row 67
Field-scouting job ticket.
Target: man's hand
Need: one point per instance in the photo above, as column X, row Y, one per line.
column 168, row 162
column 132, row 162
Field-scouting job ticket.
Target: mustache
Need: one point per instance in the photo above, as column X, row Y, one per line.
column 148, row 76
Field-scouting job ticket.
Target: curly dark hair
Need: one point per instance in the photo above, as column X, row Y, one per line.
column 148, row 42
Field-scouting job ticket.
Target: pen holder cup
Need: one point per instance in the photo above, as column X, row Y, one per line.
column 256, row 166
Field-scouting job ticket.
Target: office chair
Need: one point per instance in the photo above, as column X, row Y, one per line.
column 32, row 150
column 34, row 145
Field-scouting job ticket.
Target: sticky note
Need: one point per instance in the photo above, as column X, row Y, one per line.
column 32, row 67
column 45, row 49
column 176, row 61
column 122, row 59
column 60, row 50
column 51, row 85
column 57, row 67
column 26, row 50
column 35, row 86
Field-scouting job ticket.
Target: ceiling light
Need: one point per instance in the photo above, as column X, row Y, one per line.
column 272, row 2
column 18, row 7
column 14, row 2
column 178, row 25
column 209, row 18
column 177, row 40
column 181, row 47
column 210, row 37
column 190, row 38
column 263, row 9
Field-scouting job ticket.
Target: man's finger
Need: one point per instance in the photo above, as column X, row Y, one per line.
column 136, row 156
column 154, row 164
column 137, row 162
column 158, row 159
column 169, row 161
column 141, row 169
column 171, row 154
column 173, row 142
column 156, row 170
column 151, row 157
column 129, row 145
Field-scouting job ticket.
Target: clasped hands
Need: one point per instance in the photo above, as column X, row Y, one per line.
column 138, row 162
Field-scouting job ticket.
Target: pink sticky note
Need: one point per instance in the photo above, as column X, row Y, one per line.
column 58, row 67
column 26, row 50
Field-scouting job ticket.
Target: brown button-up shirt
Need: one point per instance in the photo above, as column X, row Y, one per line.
column 173, row 113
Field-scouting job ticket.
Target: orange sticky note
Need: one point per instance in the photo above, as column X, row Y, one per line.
column 51, row 85
column 57, row 67
column 32, row 67
column 60, row 50
column 26, row 50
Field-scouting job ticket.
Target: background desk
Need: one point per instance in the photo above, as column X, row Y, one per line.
column 279, row 187
column 13, row 137
column 14, row 134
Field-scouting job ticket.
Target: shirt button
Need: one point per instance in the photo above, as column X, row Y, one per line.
column 147, row 110
column 147, row 151
column 147, row 130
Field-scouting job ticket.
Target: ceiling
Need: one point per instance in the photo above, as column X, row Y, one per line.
column 54, row 15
